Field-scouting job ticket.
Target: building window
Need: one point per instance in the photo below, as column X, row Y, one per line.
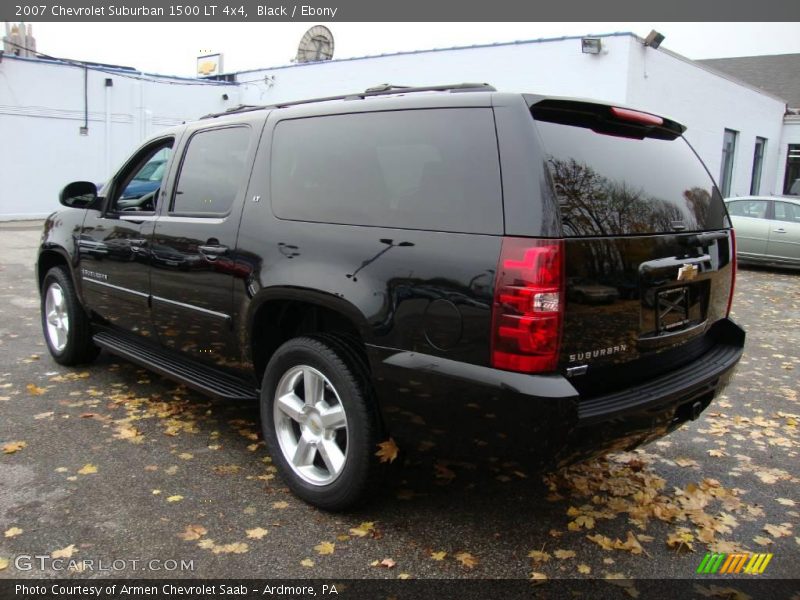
column 791, row 182
column 726, row 172
column 758, row 161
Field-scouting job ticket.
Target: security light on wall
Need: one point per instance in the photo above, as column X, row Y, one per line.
column 591, row 45
column 653, row 39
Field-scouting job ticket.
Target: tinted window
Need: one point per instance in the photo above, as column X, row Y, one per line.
column 787, row 212
column 212, row 172
column 615, row 185
column 422, row 169
column 756, row 209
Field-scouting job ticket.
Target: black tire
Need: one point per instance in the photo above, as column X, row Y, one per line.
column 347, row 378
column 78, row 347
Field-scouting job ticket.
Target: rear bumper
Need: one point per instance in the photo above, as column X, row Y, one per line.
column 546, row 410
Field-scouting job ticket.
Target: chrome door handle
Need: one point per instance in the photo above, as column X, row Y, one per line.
column 780, row 230
column 137, row 243
column 213, row 250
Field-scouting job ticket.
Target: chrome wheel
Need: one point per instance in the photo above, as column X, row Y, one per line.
column 310, row 425
column 57, row 317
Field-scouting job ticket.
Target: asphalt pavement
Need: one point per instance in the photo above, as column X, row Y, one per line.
column 111, row 464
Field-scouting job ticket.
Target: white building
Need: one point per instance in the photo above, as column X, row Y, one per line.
column 737, row 128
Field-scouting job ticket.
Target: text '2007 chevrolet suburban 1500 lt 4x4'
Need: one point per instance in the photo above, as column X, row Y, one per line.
column 568, row 263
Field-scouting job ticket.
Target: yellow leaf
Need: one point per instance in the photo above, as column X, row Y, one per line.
column 156, row 492
column 3, row 563
column 87, row 469
column 785, row 501
column 388, row 563
column 604, row 542
column 206, row 544
column 584, row 569
column 404, row 576
column 193, row 532
column 564, row 554
column 325, row 548
column 307, row 562
column 257, row 533
column 12, row 447
column 64, row 552
column 13, row 532
column 776, row 531
column 175, row 498
column 280, row 505
column 716, row 453
column 43, row 415
column 467, row 560
column 535, row 576
column 234, row 548
column 185, row 456
column 538, row 556
column 681, row 539
column 387, row 451
column 363, row 530
column 442, row 554
column 35, row 390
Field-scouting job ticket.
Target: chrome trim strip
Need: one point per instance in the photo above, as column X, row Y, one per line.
column 193, row 307
column 115, row 287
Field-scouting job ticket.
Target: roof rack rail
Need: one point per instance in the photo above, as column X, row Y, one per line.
column 384, row 89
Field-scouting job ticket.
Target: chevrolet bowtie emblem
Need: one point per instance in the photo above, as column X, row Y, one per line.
column 687, row 272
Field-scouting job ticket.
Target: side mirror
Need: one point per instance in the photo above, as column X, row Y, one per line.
column 78, row 194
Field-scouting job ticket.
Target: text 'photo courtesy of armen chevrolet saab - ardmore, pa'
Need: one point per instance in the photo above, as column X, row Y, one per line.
column 475, row 323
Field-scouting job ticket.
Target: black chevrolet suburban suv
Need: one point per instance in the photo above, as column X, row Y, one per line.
column 566, row 263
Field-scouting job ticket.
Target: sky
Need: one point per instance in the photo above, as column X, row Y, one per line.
column 173, row 48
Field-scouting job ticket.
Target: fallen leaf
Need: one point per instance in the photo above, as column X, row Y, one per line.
column 234, row 548
column 762, row 540
column 564, row 554
column 43, row 415
column 785, row 501
column 467, row 560
column 776, row 531
column 388, row 563
column 185, row 456
column 280, row 505
column 536, row 576
column 539, row 556
column 175, row 498
column 87, row 469
column 193, row 532
column 64, row 552
column 325, row 548
column 13, row 532
column 584, row 569
column 442, row 554
column 35, row 390
column 307, row 562
column 387, row 451
column 12, row 447
column 404, row 576
column 3, row 563
column 681, row 540
column 206, row 544
column 363, row 530
column 256, row 533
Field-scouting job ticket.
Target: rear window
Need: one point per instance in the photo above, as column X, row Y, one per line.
column 432, row 169
column 622, row 182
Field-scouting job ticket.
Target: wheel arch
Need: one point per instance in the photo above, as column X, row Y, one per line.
column 278, row 314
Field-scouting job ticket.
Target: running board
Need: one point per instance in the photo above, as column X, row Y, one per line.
column 197, row 376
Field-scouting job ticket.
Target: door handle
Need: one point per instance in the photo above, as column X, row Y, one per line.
column 137, row 243
column 213, row 250
column 779, row 230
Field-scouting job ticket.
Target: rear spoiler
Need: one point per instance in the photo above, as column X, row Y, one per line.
column 606, row 119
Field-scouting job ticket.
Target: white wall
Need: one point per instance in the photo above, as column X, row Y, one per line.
column 708, row 103
column 42, row 110
column 554, row 67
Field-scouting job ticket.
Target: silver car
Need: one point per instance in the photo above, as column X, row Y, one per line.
column 767, row 229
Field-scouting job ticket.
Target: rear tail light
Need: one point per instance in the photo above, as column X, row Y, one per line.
column 733, row 270
column 528, row 305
